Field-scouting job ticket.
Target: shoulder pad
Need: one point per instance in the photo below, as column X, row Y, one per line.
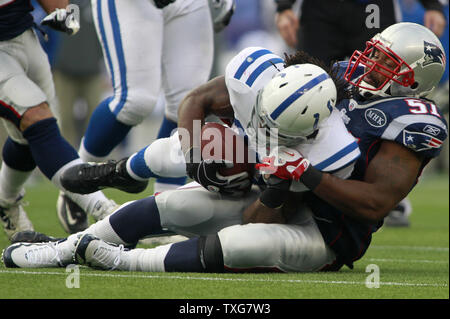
column 253, row 66
column 417, row 124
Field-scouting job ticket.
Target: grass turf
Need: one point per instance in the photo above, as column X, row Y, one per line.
column 413, row 263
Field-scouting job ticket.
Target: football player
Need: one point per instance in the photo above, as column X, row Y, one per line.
column 27, row 97
column 298, row 100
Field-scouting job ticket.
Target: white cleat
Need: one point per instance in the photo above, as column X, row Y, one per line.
column 38, row 255
column 99, row 254
column 103, row 209
column 13, row 217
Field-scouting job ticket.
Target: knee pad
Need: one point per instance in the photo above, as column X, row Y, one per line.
column 165, row 158
column 135, row 109
column 248, row 246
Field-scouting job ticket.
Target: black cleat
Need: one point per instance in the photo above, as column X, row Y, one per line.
column 31, row 236
column 71, row 216
column 91, row 177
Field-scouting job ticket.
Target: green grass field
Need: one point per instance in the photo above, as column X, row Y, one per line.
column 413, row 263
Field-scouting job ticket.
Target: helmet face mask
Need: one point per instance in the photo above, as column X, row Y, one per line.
column 387, row 66
column 396, row 62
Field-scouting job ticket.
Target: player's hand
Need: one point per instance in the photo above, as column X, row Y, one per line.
column 206, row 173
column 63, row 21
column 435, row 21
column 287, row 24
column 162, row 3
column 221, row 12
column 285, row 163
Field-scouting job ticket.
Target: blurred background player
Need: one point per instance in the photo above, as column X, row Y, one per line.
column 26, row 101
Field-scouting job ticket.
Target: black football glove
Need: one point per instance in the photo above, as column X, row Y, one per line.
column 206, row 173
column 62, row 20
column 162, row 3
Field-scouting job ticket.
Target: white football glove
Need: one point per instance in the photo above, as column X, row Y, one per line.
column 221, row 12
column 63, row 21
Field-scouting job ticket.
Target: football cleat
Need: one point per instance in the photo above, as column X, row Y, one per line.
column 13, row 217
column 31, row 236
column 104, row 208
column 71, row 216
column 99, row 254
column 90, row 177
column 399, row 216
column 37, row 255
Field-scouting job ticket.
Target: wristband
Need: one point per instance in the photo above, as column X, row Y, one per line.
column 311, row 178
column 273, row 197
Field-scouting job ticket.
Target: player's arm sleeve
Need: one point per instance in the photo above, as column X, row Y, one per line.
column 422, row 134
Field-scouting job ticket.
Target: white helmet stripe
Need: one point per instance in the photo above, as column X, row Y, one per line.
column 249, row 60
column 297, row 94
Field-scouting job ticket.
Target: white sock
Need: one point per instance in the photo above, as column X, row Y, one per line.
column 103, row 230
column 147, row 259
column 11, row 182
column 86, row 201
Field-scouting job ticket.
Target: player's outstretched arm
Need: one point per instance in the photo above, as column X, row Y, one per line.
column 389, row 177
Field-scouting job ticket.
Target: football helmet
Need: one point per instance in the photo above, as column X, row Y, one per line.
column 412, row 62
column 293, row 104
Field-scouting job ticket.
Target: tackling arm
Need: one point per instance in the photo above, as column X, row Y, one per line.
column 389, row 177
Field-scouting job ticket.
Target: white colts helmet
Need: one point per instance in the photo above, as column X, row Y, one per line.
column 417, row 57
column 294, row 102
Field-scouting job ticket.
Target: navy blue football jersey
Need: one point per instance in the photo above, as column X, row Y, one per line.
column 414, row 123
column 15, row 18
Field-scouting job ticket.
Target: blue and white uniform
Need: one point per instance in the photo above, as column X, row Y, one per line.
column 147, row 50
column 415, row 123
column 333, row 150
column 296, row 246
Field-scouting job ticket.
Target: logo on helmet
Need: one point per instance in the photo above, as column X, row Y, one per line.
column 433, row 54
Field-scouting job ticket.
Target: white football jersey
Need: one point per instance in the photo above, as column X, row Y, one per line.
column 333, row 150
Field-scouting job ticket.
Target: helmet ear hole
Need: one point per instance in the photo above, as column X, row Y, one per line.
column 414, row 85
column 304, row 110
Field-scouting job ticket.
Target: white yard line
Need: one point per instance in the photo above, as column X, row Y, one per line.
column 425, row 261
column 299, row 281
column 430, row 248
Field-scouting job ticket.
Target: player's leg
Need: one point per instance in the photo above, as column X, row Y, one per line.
column 295, row 247
column 133, row 63
column 191, row 210
column 17, row 166
column 186, row 63
column 25, row 99
column 163, row 157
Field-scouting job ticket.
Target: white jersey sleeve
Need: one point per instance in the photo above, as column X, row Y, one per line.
column 247, row 73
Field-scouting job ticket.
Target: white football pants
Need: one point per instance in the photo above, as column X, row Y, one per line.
column 146, row 49
column 294, row 247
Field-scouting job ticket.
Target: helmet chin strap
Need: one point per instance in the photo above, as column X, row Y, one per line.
column 378, row 93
